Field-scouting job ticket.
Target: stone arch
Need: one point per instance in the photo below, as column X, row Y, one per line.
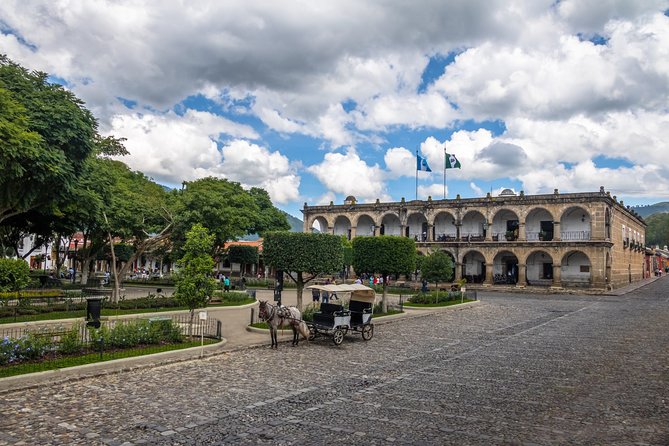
column 319, row 224
column 473, row 266
column 576, row 269
column 539, row 268
column 417, row 226
column 505, row 224
column 537, row 222
column 505, row 268
column 364, row 226
column 472, row 226
column 390, row 225
column 444, row 227
column 575, row 224
column 342, row 226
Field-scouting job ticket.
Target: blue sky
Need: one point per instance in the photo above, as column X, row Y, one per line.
column 316, row 101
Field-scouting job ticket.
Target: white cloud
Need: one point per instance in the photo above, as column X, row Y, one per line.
column 477, row 190
column 436, row 191
column 400, row 162
column 347, row 174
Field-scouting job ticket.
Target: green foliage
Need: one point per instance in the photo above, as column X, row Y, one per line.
column 123, row 252
column 435, row 297
column 194, row 284
column 232, row 296
column 384, row 255
column 14, row 274
column 657, row 232
column 71, row 342
column 437, row 267
column 347, row 247
column 226, row 208
column 303, row 252
column 243, row 254
column 45, row 136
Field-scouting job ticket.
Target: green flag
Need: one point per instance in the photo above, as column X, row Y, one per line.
column 451, row 161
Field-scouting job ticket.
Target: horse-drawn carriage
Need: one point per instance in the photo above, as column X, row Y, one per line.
column 333, row 320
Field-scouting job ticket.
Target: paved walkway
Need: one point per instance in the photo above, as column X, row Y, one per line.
column 236, row 336
column 514, row 369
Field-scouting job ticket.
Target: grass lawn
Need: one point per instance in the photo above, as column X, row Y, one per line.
column 109, row 312
column 440, row 304
column 90, row 358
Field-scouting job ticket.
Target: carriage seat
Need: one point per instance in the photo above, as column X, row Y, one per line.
column 327, row 314
column 357, row 309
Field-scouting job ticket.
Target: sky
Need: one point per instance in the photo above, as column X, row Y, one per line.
column 318, row 100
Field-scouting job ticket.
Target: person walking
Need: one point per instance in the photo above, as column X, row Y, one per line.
column 226, row 284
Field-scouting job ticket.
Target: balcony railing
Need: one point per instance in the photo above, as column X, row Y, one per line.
column 446, row 237
column 575, row 235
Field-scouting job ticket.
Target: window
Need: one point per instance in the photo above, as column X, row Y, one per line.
column 585, row 268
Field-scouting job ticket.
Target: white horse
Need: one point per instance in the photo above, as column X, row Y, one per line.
column 276, row 317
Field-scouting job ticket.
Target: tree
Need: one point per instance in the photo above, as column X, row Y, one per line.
column 244, row 255
column 347, row 248
column 437, row 267
column 194, row 284
column 14, row 274
column 226, row 208
column 657, row 232
column 297, row 253
column 384, row 255
column 45, row 136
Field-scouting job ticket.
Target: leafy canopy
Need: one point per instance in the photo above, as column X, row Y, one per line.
column 243, row 254
column 194, row 284
column 303, row 252
column 384, row 255
column 437, row 267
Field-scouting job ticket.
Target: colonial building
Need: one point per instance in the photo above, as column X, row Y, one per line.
column 554, row 240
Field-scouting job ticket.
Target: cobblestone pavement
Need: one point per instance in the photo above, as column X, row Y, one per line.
column 513, row 370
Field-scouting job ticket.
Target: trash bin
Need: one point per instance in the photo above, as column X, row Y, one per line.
column 93, row 311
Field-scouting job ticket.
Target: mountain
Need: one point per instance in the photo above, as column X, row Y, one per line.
column 296, row 225
column 650, row 209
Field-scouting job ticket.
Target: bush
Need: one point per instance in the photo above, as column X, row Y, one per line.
column 71, row 342
column 433, row 298
column 14, row 274
column 27, row 347
column 137, row 332
column 232, row 296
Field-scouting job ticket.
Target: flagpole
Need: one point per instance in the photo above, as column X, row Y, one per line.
column 444, row 174
column 416, row 176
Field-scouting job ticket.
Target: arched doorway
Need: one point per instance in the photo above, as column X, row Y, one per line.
column 390, row 225
column 505, row 268
column 539, row 269
column 473, row 227
column 505, row 226
column 473, row 267
column 342, row 226
column 575, row 224
column 417, row 227
column 444, row 228
column 539, row 225
column 365, row 226
column 575, row 270
column 320, row 224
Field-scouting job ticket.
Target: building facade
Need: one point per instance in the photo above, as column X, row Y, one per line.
column 575, row 240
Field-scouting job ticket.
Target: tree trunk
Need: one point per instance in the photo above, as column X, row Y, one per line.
column 85, row 270
column 384, row 299
column 300, row 287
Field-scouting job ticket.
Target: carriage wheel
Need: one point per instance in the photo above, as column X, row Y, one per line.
column 312, row 333
column 338, row 336
column 367, row 332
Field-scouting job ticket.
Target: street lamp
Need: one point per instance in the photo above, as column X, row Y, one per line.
column 74, row 269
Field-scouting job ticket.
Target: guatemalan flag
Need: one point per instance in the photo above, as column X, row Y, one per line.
column 421, row 164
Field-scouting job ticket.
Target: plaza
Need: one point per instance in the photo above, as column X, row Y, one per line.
column 514, row 369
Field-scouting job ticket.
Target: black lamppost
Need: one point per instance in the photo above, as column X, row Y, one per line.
column 74, row 269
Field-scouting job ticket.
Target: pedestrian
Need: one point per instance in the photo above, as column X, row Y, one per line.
column 315, row 294
column 371, row 281
column 358, row 281
column 326, row 297
column 226, row 284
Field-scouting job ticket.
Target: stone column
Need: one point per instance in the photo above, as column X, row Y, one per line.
column 457, row 231
column 488, row 233
column 458, row 270
column 556, row 231
column 557, row 276
column 522, row 275
column 331, row 230
column 430, row 232
column 488, row 275
column 403, row 230
column 377, row 231
column 521, row 232
column 353, row 229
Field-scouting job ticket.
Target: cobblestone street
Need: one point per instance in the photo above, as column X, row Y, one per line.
column 516, row 369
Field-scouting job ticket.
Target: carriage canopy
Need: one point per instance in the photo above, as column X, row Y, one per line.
column 360, row 293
